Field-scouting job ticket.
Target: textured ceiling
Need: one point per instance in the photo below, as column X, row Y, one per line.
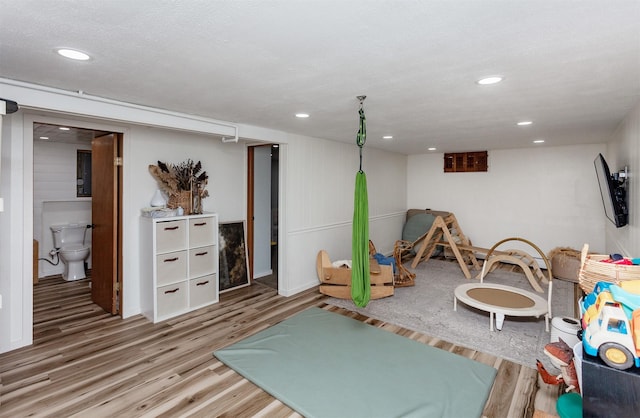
column 573, row 67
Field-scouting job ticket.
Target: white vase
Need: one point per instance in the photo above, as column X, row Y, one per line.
column 158, row 200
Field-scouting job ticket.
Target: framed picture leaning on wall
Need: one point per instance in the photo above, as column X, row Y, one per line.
column 233, row 261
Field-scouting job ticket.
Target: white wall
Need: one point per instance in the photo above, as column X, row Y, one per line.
column 624, row 150
column 16, row 280
column 144, row 146
column 547, row 195
column 320, row 191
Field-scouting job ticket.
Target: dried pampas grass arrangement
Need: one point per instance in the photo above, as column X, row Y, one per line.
column 166, row 180
column 180, row 180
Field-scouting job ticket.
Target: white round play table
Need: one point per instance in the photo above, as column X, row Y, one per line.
column 500, row 300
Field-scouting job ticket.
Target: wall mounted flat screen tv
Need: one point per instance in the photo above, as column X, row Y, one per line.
column 613, row 193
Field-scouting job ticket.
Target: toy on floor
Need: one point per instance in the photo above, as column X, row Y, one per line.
column 569, row 405
column 619, row 259
column 561, row 355
column 613, row 337
column 382, row 259
column 336, row 280
column 592, row 310
column 611, row 323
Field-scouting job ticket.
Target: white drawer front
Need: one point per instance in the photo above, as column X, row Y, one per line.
column 201, row 261
column 171, row 267
column 203, row 291
column 171, row 236
column 172, row 299
column 201, row 232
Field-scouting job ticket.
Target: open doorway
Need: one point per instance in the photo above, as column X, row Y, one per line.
column 69, row 181
column 262, row 213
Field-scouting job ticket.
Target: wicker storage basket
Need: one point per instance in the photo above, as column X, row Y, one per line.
column 593, row 270
column 182, row 199
column 565, row 263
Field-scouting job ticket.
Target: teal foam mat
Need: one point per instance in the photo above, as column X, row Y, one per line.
column 326, row 365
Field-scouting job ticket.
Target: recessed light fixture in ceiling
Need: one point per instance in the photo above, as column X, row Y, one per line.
column 302, row 115
column 387, row 137
column 73, row 54
column 44, row 137
column 524, row 123
column 490, row 80
column 431, row 148
column 538, row 141
column 64, row 128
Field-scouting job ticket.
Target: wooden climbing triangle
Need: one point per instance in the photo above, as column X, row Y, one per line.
column 446, row 232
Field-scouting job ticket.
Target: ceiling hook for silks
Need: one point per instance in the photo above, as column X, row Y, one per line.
column 361, row 98
column 362, row 130
column 361, row 137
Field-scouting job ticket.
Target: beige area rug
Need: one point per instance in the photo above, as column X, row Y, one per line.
column 427, row 307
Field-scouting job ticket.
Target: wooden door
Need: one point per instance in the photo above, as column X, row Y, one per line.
column 105, row 214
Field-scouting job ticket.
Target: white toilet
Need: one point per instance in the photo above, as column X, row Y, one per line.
column 68, row 240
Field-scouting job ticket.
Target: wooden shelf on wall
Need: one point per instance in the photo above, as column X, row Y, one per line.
column 465, row 162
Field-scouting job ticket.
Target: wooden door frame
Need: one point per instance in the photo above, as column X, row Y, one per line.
column 119, row 253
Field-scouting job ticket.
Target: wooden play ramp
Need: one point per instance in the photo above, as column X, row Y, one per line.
column 525, row 261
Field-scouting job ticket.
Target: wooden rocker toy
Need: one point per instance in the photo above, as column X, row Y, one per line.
column 336, row 281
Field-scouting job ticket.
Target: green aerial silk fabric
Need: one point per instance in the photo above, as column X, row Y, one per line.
column 360, row 279
column 360, row 274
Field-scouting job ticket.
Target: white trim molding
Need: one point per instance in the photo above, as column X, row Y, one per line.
column 36, row 97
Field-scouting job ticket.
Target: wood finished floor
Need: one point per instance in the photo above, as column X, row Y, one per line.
column 87, row 363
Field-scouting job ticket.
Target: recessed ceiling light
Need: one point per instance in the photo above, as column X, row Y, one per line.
column 302, row 115
column 538, row 141
column 64, row 128
column 44, row 137
column 387, row 137
column 73, row 54
column 431, row 149
column 490, row 80
column 524, row 123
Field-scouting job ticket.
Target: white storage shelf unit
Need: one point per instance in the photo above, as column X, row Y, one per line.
column 180, row 265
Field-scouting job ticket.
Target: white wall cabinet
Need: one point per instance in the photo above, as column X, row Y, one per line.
column 180, row 264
